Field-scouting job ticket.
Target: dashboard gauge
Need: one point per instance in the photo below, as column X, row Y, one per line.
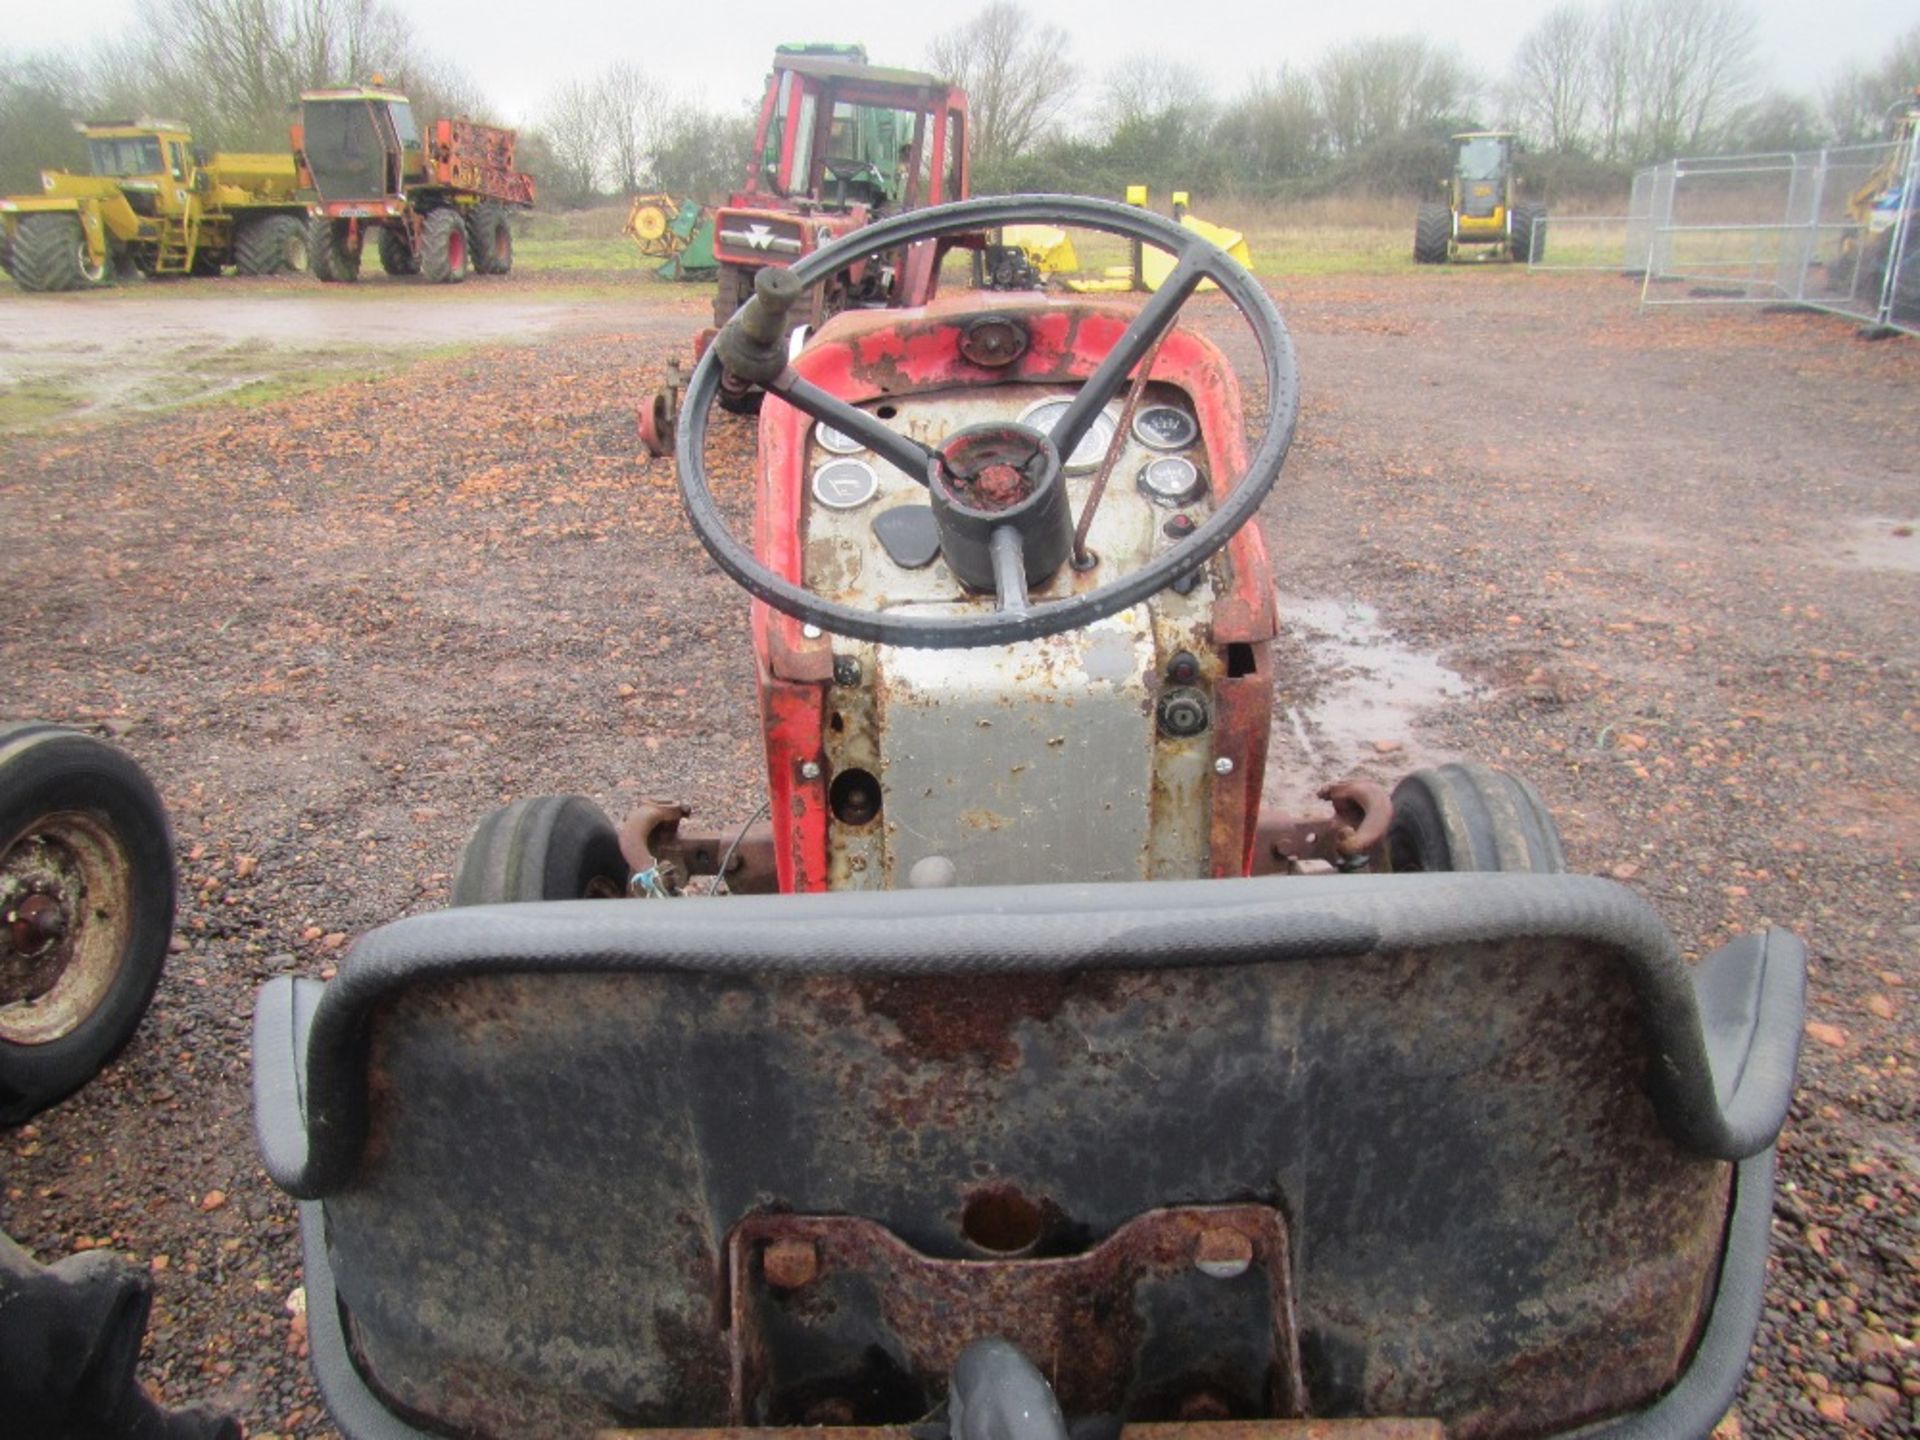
column 845, row 484
column 1165, row 427
column 836, row 442
column 1170, row 480
column 1093, row 446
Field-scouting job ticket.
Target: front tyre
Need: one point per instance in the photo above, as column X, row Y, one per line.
column 86, row 910
column 1471, row 817
column 1528, row 242
column 396, row 252
column 443, row 247
column 1432, row 232
column 328, row 255
column 546, row 847
column 50, row 253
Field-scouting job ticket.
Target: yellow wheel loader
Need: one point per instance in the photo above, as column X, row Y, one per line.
column 153, row 205
column 1480, row 212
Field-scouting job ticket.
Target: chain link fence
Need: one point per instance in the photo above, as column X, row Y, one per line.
column 1834, row 229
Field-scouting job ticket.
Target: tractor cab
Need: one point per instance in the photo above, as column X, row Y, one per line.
column 359, row 143
column 152, row 163
column 839, row 142
column 836, row 132
column 1059, row 1090
column 1481, row 190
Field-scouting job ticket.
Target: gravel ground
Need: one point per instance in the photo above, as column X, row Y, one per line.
column 1670, row 558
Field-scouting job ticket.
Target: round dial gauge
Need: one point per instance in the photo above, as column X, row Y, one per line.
column 1172, row 480
column 1165, row 427
column 836, row 442
column 845, row 484
column 1093, row 446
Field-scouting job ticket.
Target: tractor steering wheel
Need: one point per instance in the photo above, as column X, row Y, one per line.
column 752, row 348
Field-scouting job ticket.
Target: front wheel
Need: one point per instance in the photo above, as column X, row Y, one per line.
column 396, row 252
column 86, row 910
column 546, row 847
column 327, row 253
column 1432, row 232
column 443, row 247
column 1528, row 242
column 1471, row 817
column 50, row 253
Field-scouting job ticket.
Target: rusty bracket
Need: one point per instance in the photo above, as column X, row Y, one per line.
column 1350, row 838
column 653, row 836
column 795, row 1283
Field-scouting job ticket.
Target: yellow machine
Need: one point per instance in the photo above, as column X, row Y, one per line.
column 1481, row 213
column 1881, row 209
column 154, row 205
column 679, row 233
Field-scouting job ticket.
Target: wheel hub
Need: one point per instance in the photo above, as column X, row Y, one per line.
column 63, row 909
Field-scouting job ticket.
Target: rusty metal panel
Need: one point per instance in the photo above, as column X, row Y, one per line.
column 980, row 747
column 1487, row 1223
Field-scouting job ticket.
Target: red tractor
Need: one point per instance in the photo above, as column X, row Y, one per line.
column 1050, row 1089
column 839, row 143
column 438, row 202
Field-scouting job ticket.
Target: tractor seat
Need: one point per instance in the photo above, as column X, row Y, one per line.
column 1475, row 1150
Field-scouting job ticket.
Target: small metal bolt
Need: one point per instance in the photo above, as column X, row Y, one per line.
column 1223, row 766
column 1222, row 1253
column 846, row 670
column 809, row 769
column 812, row 632
column 789, row 1264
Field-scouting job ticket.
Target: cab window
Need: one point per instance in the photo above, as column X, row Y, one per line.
column 133, row 155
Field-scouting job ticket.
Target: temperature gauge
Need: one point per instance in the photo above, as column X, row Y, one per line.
column 845, row 484
column 1093, row 446
column 1165, row 427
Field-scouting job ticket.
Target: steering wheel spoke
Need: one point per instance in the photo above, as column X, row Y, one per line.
column 906, row 455
column 1155, row 317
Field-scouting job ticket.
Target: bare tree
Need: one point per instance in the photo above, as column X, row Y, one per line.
column 634, row 108
column 1615, row 48
column 1856, row 103
column 1273, row 131
column 40, row 96
column 1017, row 76
column 1144, row 87
column 1370, row 89
column 573, row 126
column 1692, row 71
column 1552, row 83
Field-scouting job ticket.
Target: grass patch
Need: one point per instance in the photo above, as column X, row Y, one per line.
column 33, row 404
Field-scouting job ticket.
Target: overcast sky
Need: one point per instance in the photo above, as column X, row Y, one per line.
column 718, row 51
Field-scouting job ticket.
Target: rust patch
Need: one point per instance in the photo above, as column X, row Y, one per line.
column 945, row 1017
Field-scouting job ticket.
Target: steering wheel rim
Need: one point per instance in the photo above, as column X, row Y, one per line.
column 1196, row 259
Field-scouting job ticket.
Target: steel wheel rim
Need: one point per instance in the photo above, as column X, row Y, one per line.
column 49, row 985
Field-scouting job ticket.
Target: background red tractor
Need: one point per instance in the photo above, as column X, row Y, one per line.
column 839, row 143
